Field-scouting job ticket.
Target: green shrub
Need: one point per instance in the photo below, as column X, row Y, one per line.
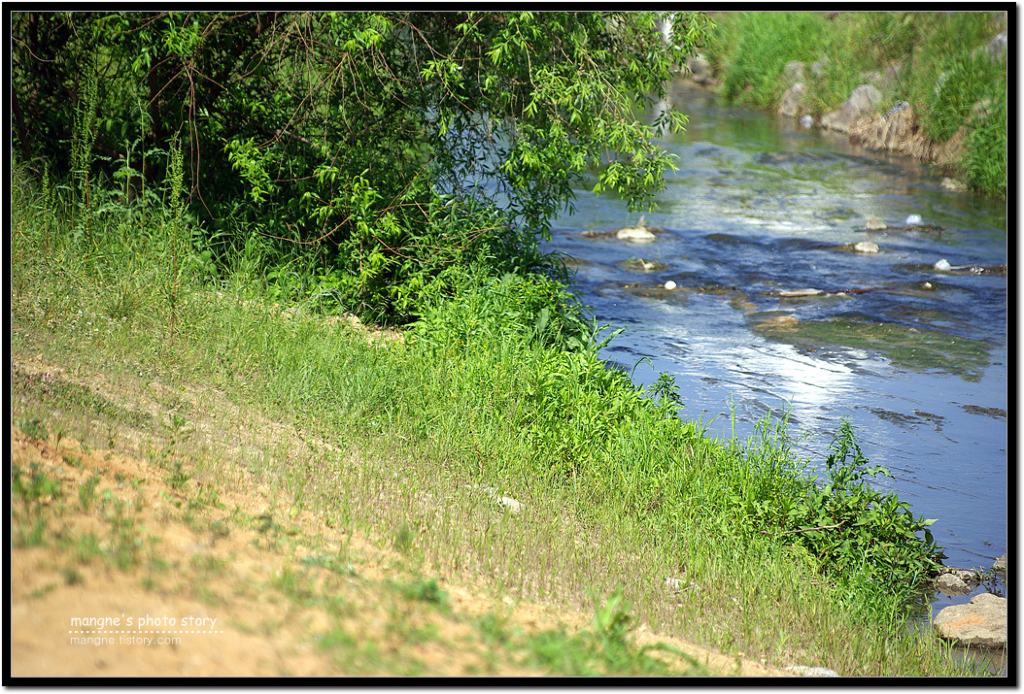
column 850, row 528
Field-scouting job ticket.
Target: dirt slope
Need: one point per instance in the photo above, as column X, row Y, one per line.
column 234, row 582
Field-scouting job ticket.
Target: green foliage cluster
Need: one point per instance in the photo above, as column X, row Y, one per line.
column 943, row 69
column 856, row 531
column 370, row 153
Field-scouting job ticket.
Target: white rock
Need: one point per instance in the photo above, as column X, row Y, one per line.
column 954, row 185
column 806, row 121
column 805, row 671
column 874, row 224
column 670, row 285
column 508, row 502
column 913, row 219
column 942, row 265
column 866, row 247
column 634, row 234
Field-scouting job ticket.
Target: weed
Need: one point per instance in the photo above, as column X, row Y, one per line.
column 330, row 563
column 178, row 478
column 425, row 590
column 71, row 576
column 87, row 548
column 37, row 489
column 87, row 492
column 33, row 428
column 125, row 541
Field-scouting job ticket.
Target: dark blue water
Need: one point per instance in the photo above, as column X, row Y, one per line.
column 914, row 357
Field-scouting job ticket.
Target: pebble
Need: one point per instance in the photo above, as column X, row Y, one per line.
column 670, row 285
column 913, row 219
column 942, row 265
column 866, row 247
column 805, row 671
column 874, row 224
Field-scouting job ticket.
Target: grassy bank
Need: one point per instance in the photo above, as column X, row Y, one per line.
column 938, row 62
column 498, row 386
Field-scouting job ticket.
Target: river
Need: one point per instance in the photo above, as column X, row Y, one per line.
column 760, row 207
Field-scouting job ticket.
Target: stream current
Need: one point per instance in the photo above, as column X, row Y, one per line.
column 913, row 356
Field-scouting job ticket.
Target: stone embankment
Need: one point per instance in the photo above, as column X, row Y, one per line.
column 898, row 131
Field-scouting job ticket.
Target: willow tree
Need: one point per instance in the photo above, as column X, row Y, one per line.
column 388, row 146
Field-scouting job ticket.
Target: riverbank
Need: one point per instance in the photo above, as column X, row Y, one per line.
column 927, row 85
column 482, row 444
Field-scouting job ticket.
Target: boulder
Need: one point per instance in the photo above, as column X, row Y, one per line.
column 874, row 224
column 951, row 584
column 794, row 72
column 892, row 76
column 872, row 77
column 997, row 47
column 999, row 564
column 792, row 100
column 865, row 247
column 862, row 102
column 700, row 69
column 639, row 233
column 982, row 622
column 954, row 185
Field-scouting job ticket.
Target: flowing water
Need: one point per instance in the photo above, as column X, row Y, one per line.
column 913, row 356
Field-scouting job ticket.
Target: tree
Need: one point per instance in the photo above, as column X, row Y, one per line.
column 389, row 147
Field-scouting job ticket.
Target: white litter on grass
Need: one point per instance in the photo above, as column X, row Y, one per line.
column 805, row 671
column 508, row 502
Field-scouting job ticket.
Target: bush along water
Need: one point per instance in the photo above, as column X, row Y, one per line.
column 851, row 528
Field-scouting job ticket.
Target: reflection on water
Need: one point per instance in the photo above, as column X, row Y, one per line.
column 913, row 356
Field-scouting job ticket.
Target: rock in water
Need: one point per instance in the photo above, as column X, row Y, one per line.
column 806, row 121
column 862, row 101
column 954, row 185
column 670, row 285
column 982, row 622
column 874, row 224
column 951, row 584
column 634, row 234
column 913, row 219
column 943, row 265
column 866, row 247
